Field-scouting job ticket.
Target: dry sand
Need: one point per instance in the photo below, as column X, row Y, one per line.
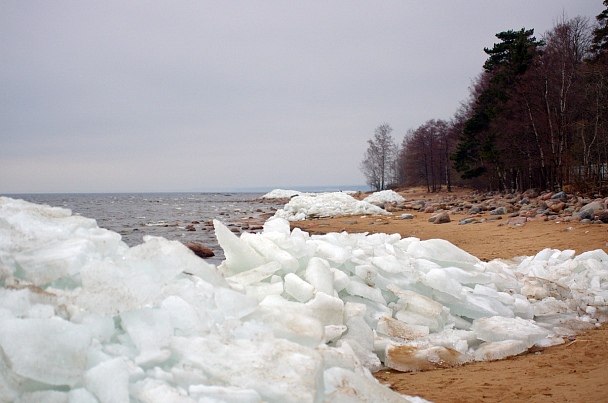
column 573, row 372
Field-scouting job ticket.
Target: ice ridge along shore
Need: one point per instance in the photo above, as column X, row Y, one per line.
column 287, row 316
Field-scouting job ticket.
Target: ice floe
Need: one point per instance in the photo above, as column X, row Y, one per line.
column 384, row 196
column 281, row 194
column 333, row 204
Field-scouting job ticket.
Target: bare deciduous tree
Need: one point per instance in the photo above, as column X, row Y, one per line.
column 378, row 164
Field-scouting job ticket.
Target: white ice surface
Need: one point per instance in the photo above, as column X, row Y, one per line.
column 287, row 316
column 281, row 194
column 326, row 205
column 384, row 196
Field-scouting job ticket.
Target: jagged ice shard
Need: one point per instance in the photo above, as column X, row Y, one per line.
column 287, row 316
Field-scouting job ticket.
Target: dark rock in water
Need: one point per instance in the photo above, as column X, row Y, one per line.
column 190, row 228
column 199, row 250
column 442, row 218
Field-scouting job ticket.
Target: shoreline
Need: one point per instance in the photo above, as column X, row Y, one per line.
column 573, row 371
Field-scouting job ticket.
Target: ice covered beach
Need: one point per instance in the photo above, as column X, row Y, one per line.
column 288, row 316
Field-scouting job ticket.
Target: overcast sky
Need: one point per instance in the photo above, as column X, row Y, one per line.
column 196, row 95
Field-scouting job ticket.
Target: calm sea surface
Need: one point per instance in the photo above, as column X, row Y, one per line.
column 184, row 217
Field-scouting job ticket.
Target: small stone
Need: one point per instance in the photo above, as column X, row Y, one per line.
column 557, row 207
column 546, row 196
column 519, row 221
column 603, row 216
column 466, row 221
column 407, row 216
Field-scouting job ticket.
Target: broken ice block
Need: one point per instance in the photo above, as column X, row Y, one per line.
column 498, row 350
column 408, row 358
column 299, row 289
column 51, row 351
column 398, row 329
column 499, row 328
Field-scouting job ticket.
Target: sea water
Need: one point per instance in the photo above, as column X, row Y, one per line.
column 167, row 215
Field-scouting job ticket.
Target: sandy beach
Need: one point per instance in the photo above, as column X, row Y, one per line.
column 572, row 372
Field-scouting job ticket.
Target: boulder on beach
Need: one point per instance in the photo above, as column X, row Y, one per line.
column 440, row 218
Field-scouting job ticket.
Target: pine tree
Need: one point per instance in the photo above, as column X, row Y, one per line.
column 477, row 152
column 600, row 35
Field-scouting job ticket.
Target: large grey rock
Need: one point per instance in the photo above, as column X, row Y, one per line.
column 499, row 211
column 594, row 206
column 585, row 214
column 475, row 210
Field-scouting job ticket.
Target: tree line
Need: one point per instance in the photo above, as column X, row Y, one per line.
column 536, row 117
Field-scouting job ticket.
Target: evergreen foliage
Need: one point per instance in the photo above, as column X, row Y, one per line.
column 476, row 151
column 600, row 35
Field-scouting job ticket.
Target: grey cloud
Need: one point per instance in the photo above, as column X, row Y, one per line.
column 190, row 95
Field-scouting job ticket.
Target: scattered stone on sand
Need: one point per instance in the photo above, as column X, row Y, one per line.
column 517, row 221
column 499, row 211
column 467, row 221
column 440, row 218
column 531, row 204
